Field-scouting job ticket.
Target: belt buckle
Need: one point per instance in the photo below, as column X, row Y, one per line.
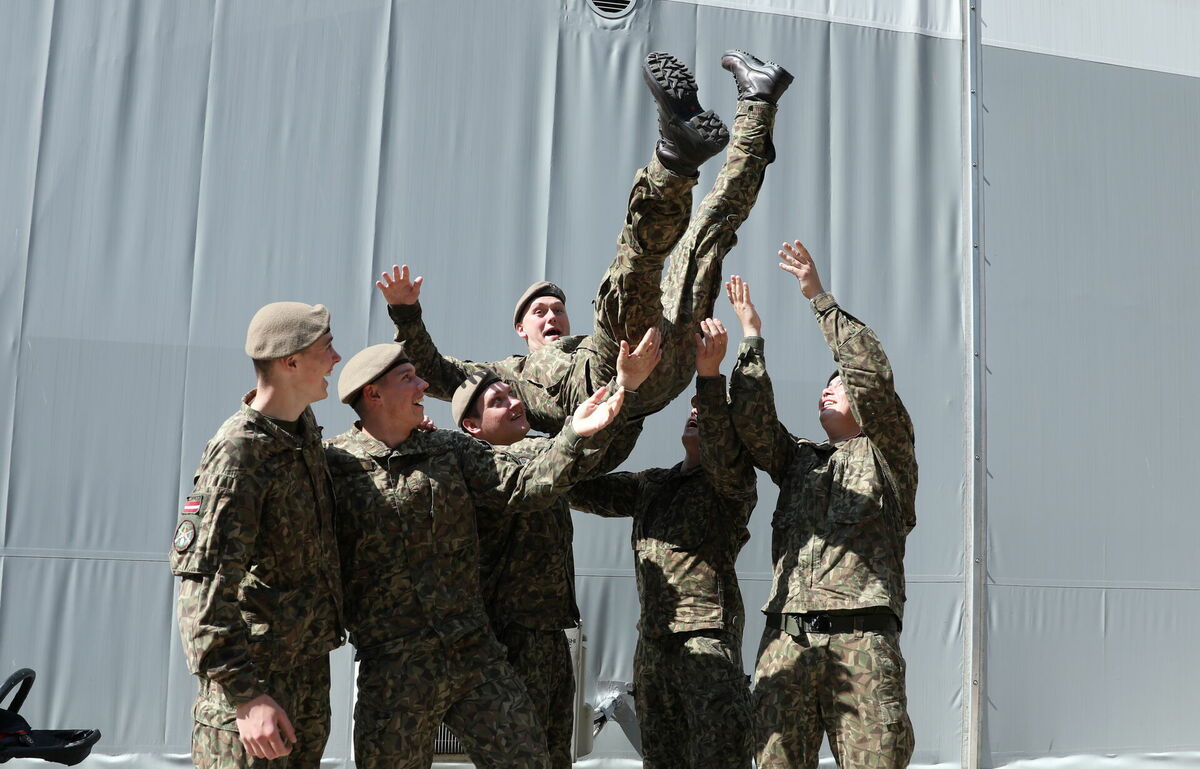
column 819, row 623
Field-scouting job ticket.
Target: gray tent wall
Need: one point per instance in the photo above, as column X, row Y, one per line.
column 166, row 168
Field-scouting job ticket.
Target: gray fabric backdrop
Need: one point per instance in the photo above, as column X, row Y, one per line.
column 167, row 168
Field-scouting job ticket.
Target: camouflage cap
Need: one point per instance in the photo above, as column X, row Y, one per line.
column 541, row 288
column 468, row 391
column 285, row 328
column 366, row 366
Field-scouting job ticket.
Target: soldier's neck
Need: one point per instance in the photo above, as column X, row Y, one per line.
column 278, row 402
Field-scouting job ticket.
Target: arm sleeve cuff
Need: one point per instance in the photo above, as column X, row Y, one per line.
column 404, row 313
column 823, row 303
column 751, row 343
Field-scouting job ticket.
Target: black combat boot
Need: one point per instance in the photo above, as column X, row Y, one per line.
column 690, row 134
column 756, row 79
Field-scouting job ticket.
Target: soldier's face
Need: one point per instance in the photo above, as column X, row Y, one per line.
column 834, row 408
column 310, row 367
column 545, row 321
column 400, row 396
column 691, row 429
column 502, row 420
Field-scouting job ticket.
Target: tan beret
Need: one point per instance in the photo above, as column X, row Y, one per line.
column 367, row 366
column 541, row 288
column 468, row 391
column 285, row 328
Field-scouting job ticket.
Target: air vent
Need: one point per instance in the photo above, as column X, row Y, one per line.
column 612, row 8
column 446, row 744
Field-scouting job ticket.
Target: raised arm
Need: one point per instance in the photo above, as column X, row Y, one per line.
column 751, row 397
column 866, row 374
column 402, row 295
column 611, row 496
column 724, row 459
column 502, row 480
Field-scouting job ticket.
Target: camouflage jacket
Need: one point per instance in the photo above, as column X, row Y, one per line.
column 688, row 525
column 551, row 381
column 407, row 527
column 844, row 510
column 256, row 552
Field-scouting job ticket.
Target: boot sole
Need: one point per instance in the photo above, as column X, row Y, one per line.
column 672, row 85
column 712, row 131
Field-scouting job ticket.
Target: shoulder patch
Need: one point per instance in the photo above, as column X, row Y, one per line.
column 185, row 535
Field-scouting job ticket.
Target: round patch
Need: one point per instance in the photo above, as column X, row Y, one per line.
column 185, row 535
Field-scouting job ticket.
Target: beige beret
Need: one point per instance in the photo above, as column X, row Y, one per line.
column 468, row 391
column 367, row 366
column 541, row 288
column 285, row 328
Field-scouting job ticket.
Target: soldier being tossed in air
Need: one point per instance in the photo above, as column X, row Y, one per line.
column 559, row 370
column 829, row 661
column 689, row 524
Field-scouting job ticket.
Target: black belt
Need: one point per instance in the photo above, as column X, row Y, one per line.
column 820, row 622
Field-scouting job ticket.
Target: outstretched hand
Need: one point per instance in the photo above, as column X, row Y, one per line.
column 711, row 344
column 427, row 425
column 738, row 292
column 397, row 288
column 634, row 366
column 798, row 262
column 595, row 413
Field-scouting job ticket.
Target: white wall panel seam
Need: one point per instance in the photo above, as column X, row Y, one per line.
column 196, row 219
column 20, row 330
column 942, row 31
column 975, row 515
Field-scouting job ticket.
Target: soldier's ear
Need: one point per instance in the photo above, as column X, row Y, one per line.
column 471, row 426
column 520, row 329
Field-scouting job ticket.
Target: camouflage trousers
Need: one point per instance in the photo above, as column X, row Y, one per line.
column 302, row 692
column 693, row 701
column 848, row 686
column 404, row 696
column 542, row 660
column 693, row 281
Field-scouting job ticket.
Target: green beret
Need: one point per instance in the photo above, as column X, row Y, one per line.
column 541, row 288
column 367, row 366
column 468, row 391
column 285, row 328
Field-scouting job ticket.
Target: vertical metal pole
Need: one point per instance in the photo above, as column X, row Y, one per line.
column 975, row 517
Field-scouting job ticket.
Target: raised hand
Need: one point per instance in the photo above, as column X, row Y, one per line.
column 264, row 728
column 798, row 262
column 595, row 413
column 397, row 288
column 633, row 367
column 427, row 425
column 711, row 343
column 738, row 292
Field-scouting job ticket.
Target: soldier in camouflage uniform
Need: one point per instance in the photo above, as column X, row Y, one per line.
column 407, row 504
column 560, row 370
column 527, row 566
column 260, row 594
column 830, row 661
column 689, row 523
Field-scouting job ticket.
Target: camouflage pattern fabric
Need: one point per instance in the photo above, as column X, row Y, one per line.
column 838, row 541
column 693, row 701
column 407, row 529
column 406, row 525
column 303, row 693
column 688, row 525
column 542, row 660
column 688, row 528
column 849, row 686
column 555, row 379
column 255, row 550
column 403, row 696
column 693, row 279
column 844, row 510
